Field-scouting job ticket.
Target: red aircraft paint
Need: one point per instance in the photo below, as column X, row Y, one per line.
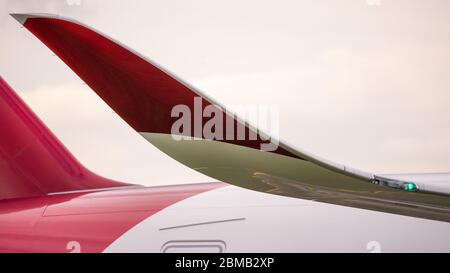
column 136, row 89
column 92, row 220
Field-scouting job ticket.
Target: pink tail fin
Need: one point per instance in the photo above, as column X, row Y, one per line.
column 32, row 160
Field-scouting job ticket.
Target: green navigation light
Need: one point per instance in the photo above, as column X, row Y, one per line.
column 410, row 186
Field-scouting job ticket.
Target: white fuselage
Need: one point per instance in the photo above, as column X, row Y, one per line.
column 232, row 219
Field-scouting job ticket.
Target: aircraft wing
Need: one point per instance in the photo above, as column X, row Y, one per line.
column 144, row 94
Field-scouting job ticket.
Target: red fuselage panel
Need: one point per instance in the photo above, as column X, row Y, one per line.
column 92, row 220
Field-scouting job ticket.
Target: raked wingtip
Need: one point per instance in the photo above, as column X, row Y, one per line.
column 20, row 17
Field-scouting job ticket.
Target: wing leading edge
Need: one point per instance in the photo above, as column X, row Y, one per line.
column 144, row 95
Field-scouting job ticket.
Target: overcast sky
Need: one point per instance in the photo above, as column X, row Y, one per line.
column 360, row 82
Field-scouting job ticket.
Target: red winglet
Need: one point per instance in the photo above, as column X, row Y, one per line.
column 138, row 90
